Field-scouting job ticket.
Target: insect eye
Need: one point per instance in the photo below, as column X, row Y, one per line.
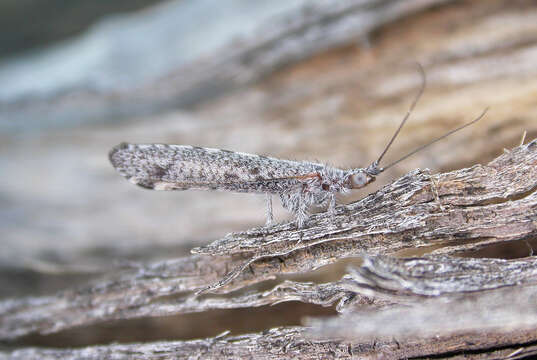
column 359, row 180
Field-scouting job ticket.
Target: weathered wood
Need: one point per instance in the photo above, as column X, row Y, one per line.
column 285, row 40
column 339, row 107
column 481, row 205
column 437, row 275
column 486, row 204
column 293, row 343
column 467, row 321
column 486, row 322
column 335, row 105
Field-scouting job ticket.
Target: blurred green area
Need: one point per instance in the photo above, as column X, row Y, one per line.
column 30, row 24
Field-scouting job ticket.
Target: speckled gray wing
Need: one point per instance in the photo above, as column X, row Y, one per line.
column 181, row 167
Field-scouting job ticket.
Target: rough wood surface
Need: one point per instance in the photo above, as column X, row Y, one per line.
column 485, row 204
column 469, row 321
column 414, row 252
column 339, row 106
column 293, row 343
column 438, row 275
column 461, row 210
column 473, row 318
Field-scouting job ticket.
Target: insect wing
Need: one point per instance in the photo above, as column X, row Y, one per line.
column 181, row 167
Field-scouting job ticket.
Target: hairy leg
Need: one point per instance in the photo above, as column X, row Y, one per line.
column 301, row 211
column 332, row 204
column 297, row 203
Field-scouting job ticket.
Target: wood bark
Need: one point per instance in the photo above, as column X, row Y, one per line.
column 464, row 209
column 431, row 264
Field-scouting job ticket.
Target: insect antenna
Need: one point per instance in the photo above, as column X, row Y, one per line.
column 436, row 140
column 374, row 169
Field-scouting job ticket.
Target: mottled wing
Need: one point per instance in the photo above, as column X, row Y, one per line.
column 181, row 167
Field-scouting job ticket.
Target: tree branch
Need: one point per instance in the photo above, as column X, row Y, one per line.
column 483, row 204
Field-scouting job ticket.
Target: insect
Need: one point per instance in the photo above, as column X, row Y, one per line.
column 299, row 184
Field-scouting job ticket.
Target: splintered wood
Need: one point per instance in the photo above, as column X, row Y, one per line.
column 475, row 208
column 389, row 306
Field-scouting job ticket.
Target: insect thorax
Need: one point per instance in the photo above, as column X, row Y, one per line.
column 315, row 190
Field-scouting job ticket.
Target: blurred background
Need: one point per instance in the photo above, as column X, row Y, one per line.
column 312, row 80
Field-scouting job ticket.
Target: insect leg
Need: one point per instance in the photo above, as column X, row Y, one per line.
column 332, row 204
column 270, row 217
column 301, row 210
column 297, row 201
